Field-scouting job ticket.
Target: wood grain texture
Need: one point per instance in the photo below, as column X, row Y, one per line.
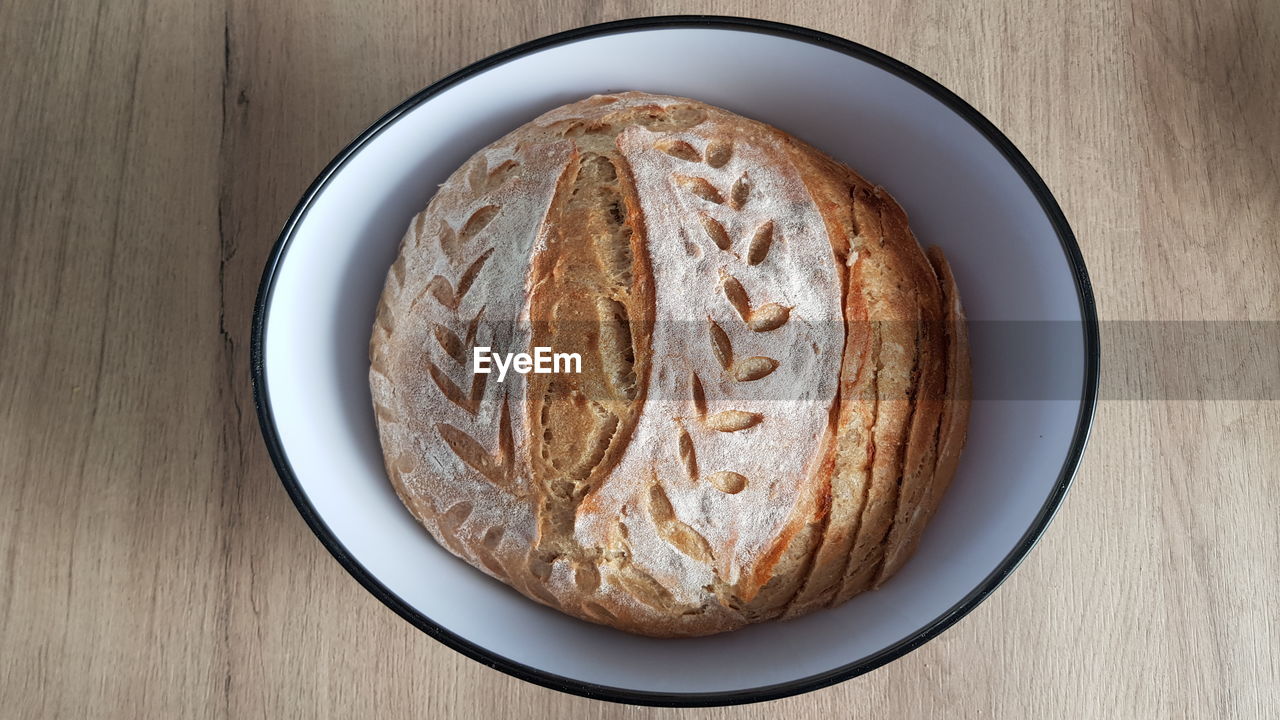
column 151, row 565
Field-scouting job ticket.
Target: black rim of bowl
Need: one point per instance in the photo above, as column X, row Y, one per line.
column 932, row 629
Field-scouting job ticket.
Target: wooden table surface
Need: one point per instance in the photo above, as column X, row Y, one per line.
column 151, row 564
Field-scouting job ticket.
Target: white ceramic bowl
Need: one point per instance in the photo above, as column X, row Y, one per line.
column 966, row 188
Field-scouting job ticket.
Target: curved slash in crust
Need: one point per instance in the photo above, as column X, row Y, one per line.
column 581, row 423
column 959, row 386
column 919, row 444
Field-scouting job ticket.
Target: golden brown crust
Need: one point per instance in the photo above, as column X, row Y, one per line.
column 878, row 272
column 952, row 424
column 925, row 398
column 698, row 262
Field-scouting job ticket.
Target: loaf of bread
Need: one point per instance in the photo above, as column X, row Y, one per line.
column 773, row 386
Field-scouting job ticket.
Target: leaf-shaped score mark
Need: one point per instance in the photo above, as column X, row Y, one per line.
column 733, row 420
column 677, row 534
column 586, row 576
column 719, row 152
column 496, row 467
column 477, row 177
column 397, row 270
column 484, row 551
column 501, row 173
column 678, row 149
column 720, row 344
column 477, row 222
column 635, row 582
column 715, row 231
column 728, row 482
column 469, row 401
column 754, row 368
column 384, row 414
column 384, row 319
column 699, row 395
column 597, row 611
column 688, row 456
column 643, row 587
column 419, row 226
column 699, row 186
column 450, row 343
column 761, row 241
column 444, row 292
column 451, row 241
column 736, row 295
column 454, row 346
column 450, row 244
column 540, row 593
column 770, row 316
column 740, row 192
column 480, row 179
column 450, row 521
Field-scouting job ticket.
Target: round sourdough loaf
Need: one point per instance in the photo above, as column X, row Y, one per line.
column 774, row 380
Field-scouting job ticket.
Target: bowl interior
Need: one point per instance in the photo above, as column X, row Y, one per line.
column 961, row 193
